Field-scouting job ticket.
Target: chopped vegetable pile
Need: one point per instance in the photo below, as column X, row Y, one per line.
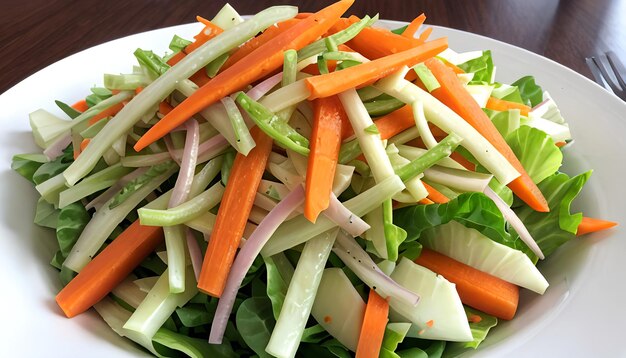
column 305, row 184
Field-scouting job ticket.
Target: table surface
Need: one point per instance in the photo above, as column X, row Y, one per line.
column 37, row 33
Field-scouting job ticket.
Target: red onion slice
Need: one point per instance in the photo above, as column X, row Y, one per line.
column 351, row 253
column 262, row 88
column 515, row 222
column 113, row 189
column 246, row 257
column 187, row 164
column 56, row 149
column 344, row 218
column 195, row 254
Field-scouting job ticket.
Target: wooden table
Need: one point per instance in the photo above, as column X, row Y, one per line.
column 36, row 33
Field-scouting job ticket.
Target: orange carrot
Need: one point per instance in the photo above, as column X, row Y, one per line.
column 425, row 201
column 244, row 179
column 498, row 104
column 375, row 43
column 336, row 82
column 425, row 34
column 111, row 111
column 476, row 289
column 453, row 67
column 259, row 63
column 325, row 142
column 165, row 108
column 560, row 144
column 454, row 95
column 303, row 15
column 84, row 144
column 138, row 90
column 397, row 122
column 463, row 161
column 373, row 328
column 435, row 195
column 81, row 105
column 109, row 268
column 412, row 28
column 256, row 42
column 589, row 225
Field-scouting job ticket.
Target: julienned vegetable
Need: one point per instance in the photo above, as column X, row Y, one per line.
column 344, row 204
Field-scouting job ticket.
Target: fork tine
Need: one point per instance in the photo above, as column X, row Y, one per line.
column 607, row 78
column 618, row 68
column 595, row 71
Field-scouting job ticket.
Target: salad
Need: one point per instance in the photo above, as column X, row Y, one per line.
column 301, row 185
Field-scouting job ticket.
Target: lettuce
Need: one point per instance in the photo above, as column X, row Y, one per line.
column 530, row 92
column 554, row 228
column 479, row 332
column 166, row 340
column 255, row 322
column 536, row 151
column 26, row 165
column 55, row 167
column 474, row 210
column 482, row 67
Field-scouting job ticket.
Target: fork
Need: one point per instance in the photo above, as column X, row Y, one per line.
column 610, row 76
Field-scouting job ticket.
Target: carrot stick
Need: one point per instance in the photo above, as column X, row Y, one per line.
column 303, row 15
column 463, row 161
column 165, row 108
column 267, row 35
column 336, row 82
column 373, row 328
column 454, row 95
column 244, row 179
column 560, row 144
column 425, row 34
column 477, row 289
column 325, row 142
column 375, row 43
column 259, row 63
column 81, row 105
column 434, row 195
column 84, row 144
column 111, row 111
column 498, row 104
column 138, row 90
column 589, row 225
column 109, row 268
column 425, row 201
column 453, row 67
column 412, row 28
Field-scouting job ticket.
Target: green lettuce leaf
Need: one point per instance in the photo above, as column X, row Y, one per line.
column 46, row 214
column 255, row 322
column 394, row 335
column 71, row 222
column 530, row 92
column 192, row 347
column 482, row 67
column 178, row 43
column 52, row 168
column 314, row 334
column 67, row 109
column 479, row 332
column 474, row 210
column 505, row 121
column 536, row 151
column 278, row 277
column 552, row 229
column 394, row 235
column 27, row 164
column 194, row 315
column 507, row 93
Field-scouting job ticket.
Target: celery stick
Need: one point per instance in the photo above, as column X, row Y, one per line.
column 299, row 229
column 165, row 84
column 300, row 296
column 104, row 221
column 183, row 212
column 93, row 183
column 446, row 119
column 159, row 304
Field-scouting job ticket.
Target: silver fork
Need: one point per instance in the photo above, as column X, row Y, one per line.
column 609, row 73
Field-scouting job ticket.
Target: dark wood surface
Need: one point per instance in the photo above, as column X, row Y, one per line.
column 36, row 33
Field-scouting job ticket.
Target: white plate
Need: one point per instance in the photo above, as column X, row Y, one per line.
column 581, row 314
